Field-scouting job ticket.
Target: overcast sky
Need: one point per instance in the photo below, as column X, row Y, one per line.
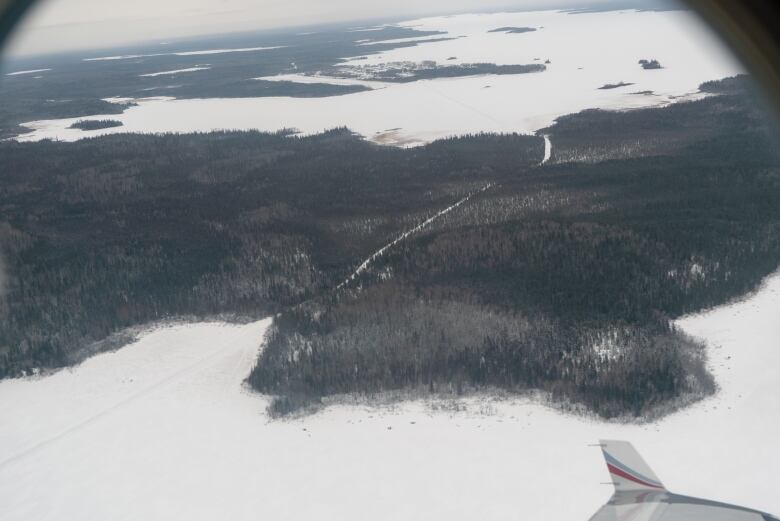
column 63, row 25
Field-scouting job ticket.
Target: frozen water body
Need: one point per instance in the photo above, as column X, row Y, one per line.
column 330, row 80
column 31, row 71
column 414, row 39
column 177, row 71
column 182, row 53
column 585, row 52
column 163, row 429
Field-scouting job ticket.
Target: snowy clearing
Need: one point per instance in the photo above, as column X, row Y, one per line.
column 163, row 429
column 176, row 71
column 586, row 51
column 31, row 71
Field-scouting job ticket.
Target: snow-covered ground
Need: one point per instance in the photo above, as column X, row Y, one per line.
column 585, row 51
column 163, row 429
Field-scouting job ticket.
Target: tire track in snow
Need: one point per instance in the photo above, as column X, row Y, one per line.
column 366, row 263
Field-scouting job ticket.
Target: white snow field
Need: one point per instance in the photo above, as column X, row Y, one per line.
column 163, row 430
column 586, row 51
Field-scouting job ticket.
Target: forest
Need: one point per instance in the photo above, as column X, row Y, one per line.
column 564, row 278
column 95, row 124
column 110, row 232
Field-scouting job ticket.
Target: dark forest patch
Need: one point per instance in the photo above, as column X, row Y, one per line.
column 95, row 124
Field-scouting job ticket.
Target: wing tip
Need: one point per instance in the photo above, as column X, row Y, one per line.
column 628, row 470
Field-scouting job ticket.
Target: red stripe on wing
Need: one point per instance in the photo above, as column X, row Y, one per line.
column 616, row 471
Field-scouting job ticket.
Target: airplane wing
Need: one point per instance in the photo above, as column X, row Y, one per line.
column 628, row 470
column 640, row 495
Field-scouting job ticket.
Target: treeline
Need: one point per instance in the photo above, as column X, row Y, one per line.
column 565, row 278
column 106, row 233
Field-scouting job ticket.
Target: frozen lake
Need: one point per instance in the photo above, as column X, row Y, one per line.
column 163, row 429
column 585, row 52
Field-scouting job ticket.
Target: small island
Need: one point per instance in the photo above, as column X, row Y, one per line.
column 513, row 30
column 614, row 85
column 650, row 64
column 95, row 124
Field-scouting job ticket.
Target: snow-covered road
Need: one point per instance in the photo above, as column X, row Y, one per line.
column 381, row 251
column 163, row 429
column 547, row 149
